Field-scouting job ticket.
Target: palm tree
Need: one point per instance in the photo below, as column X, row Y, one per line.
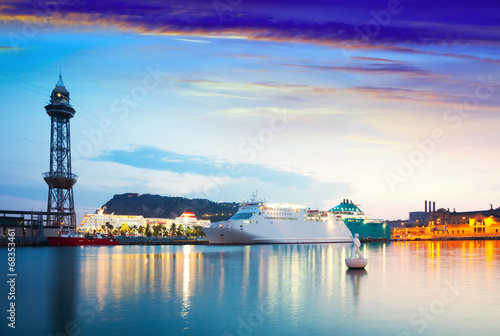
column 156, row 230
column 124, row 229
column 180, row 231
column 198, row 231
column 173, row 229
column 142, row 230
column 109, row 226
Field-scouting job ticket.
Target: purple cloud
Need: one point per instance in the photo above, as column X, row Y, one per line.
column 363, row 26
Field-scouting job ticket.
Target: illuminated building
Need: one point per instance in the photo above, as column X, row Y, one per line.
column 98, row 219
column 469, row 223
column 444, row 223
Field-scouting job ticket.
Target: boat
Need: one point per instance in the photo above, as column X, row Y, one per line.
column 358, row 222
column 66, row 238
column 259, row 222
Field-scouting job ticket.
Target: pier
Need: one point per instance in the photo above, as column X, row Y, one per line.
column 30, row 227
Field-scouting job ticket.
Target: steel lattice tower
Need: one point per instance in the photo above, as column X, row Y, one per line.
column 60, row 206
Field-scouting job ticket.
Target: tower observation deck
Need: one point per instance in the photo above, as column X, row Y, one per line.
column 60, row 206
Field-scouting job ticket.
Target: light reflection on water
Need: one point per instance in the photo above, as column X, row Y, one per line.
column 408, row 288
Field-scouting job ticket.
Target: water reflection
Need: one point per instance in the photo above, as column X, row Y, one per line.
column 64, row 279
column 187, row 250
column 188, row 288
column 355, row 278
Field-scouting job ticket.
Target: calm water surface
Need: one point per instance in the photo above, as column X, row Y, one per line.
column 408, row 288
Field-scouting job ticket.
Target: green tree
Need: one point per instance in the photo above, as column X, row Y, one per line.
column 156, row 230
column 142, row 230
column 179, row 231
column 198, row 231
column 173, row 229
column 124, row 229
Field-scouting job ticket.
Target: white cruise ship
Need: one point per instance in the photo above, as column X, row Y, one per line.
column 259, row 222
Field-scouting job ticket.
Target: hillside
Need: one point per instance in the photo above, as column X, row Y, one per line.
column 156, row 206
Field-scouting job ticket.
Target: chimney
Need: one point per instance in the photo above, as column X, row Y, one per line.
column 425, row 206
column 433, row 206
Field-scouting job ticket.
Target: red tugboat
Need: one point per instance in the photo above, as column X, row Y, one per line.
column 75, row 239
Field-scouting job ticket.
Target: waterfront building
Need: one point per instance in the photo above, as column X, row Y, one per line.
column 419, row 216
column 159, row 221
column 95, row 221
column 468, row 223
column 188, row 219
column 444, row 223
column 416, row 218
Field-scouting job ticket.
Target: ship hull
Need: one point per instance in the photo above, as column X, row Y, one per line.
column 322, row 233
column 278, row 223
column 369, row 231
column 81, row 241
column 356, row 220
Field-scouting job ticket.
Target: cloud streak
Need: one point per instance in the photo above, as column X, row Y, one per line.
column 400, row 94
column 373, row 69
column 264, row 85
column 156, row 159
column 201, row 18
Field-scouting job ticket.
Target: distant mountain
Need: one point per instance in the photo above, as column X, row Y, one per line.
column 156, row 206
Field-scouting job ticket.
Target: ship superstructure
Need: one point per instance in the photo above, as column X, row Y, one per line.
column 259, row 222
column 358, row 222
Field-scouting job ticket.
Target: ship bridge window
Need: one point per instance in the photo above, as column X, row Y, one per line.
column 242, row 215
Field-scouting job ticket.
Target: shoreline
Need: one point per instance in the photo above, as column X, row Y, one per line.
column 22, row 241
column 446, row 238
column 182, row 241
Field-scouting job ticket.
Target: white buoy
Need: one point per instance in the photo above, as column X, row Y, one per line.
column 356, row 263
column 360, row 261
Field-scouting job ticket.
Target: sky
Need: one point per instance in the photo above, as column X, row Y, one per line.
column 386, row 103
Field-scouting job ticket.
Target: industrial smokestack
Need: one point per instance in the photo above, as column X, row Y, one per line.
column 425, row 206
column 433, row 206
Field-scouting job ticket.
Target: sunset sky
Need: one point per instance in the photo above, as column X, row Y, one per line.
column 387, row 103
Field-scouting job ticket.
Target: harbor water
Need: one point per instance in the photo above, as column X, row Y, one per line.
column 408, row 288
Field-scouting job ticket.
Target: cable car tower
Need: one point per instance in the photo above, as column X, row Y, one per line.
column 60, row 206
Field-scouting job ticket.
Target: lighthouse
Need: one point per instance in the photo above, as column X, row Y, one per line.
column 60, row 179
